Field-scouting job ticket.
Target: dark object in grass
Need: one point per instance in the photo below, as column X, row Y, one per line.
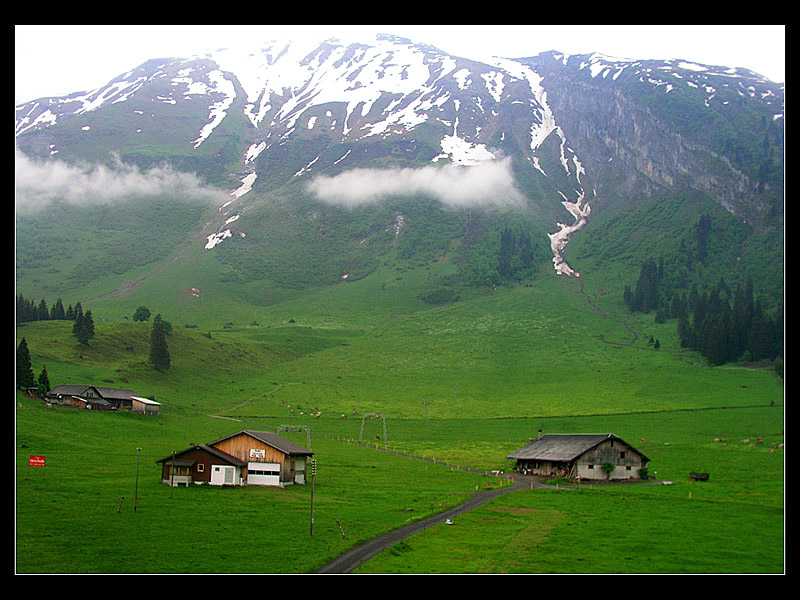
column 698, row 476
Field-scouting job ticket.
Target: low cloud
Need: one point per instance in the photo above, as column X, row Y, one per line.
column 40, row 183
column 487, row 184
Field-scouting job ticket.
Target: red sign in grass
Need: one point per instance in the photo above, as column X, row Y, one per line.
column 36, row 461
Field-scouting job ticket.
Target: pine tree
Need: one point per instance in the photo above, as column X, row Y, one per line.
column 86, row 329
column 57, row 311
column 78, row 324
column 159, row 352
column 25, row 377
column 44, row 382
column 42, row 314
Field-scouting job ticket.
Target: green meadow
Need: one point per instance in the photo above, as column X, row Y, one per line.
column 463, row 383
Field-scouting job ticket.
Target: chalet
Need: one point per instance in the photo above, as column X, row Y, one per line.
column 248, row 457
column 144, row 406
column 202, row 464
column 114, row 397
column 63, row 394
column 579, row 455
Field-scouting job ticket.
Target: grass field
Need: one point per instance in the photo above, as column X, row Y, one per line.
column 487, row 371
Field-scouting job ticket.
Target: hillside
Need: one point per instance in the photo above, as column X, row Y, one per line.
column 343, row 234
column 276, row 155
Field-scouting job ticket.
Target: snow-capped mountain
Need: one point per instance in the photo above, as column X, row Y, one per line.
column 577, row 132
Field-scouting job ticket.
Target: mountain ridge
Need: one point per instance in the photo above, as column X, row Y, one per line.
column 573, row 132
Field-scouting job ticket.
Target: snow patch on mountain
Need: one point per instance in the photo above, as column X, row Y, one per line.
column 543, row 127
column 216, row 84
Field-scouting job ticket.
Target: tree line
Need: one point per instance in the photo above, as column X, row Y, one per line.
column 722, row 325
column 83, row 322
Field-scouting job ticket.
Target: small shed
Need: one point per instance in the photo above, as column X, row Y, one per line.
column 580, row 455
column 144, row 405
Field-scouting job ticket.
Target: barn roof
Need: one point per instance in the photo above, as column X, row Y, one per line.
column 270, row 439
column 175, row 460
column 145, row 400
column 115, row 393
column 68, row 389
column 562, row 447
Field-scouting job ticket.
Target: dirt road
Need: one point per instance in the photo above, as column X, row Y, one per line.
column 352, row 559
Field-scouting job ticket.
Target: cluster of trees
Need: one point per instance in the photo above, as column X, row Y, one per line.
column 28, row 310
column 515, row 258
column 721, row 325
column 646, row 296
column 725, row 332
column 83, row 322
column 83, row 329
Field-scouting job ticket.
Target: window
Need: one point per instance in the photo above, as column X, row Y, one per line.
column 262, row 472
column 201, row 468
column 621, row 454
column 591, row 466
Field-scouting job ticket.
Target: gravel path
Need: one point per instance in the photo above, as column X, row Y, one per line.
column 352, row 559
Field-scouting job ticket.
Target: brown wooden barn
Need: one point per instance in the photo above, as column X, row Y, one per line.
column 580, row 455
column 248, row 457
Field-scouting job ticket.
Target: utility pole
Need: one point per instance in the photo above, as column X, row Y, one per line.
column 172, row 477
column 313, row 473
column 425, row 402
column 136, row 492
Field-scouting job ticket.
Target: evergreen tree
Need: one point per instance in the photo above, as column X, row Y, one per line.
column 159, row 352
column 78, row 324
column 57, row 311
column 647, row 296
column 44, row 382
column 86, row 331
column 25, row 377
column 42, row 314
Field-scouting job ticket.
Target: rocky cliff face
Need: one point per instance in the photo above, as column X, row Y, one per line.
column 635, row 151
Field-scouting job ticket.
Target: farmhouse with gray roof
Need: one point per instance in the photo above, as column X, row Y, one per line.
column 247, row 457
column 580, row 455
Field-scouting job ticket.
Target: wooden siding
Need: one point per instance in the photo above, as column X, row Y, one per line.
column 200, row 471
column 240, row 446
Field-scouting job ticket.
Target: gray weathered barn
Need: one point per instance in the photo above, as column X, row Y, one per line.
column 580, row 455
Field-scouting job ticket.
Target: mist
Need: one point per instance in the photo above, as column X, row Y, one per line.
column 41, row 183
column 487, row 184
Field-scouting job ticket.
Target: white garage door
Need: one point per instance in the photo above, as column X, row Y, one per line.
column 259, row 473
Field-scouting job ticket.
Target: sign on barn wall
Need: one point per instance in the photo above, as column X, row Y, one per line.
column 257, row 453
